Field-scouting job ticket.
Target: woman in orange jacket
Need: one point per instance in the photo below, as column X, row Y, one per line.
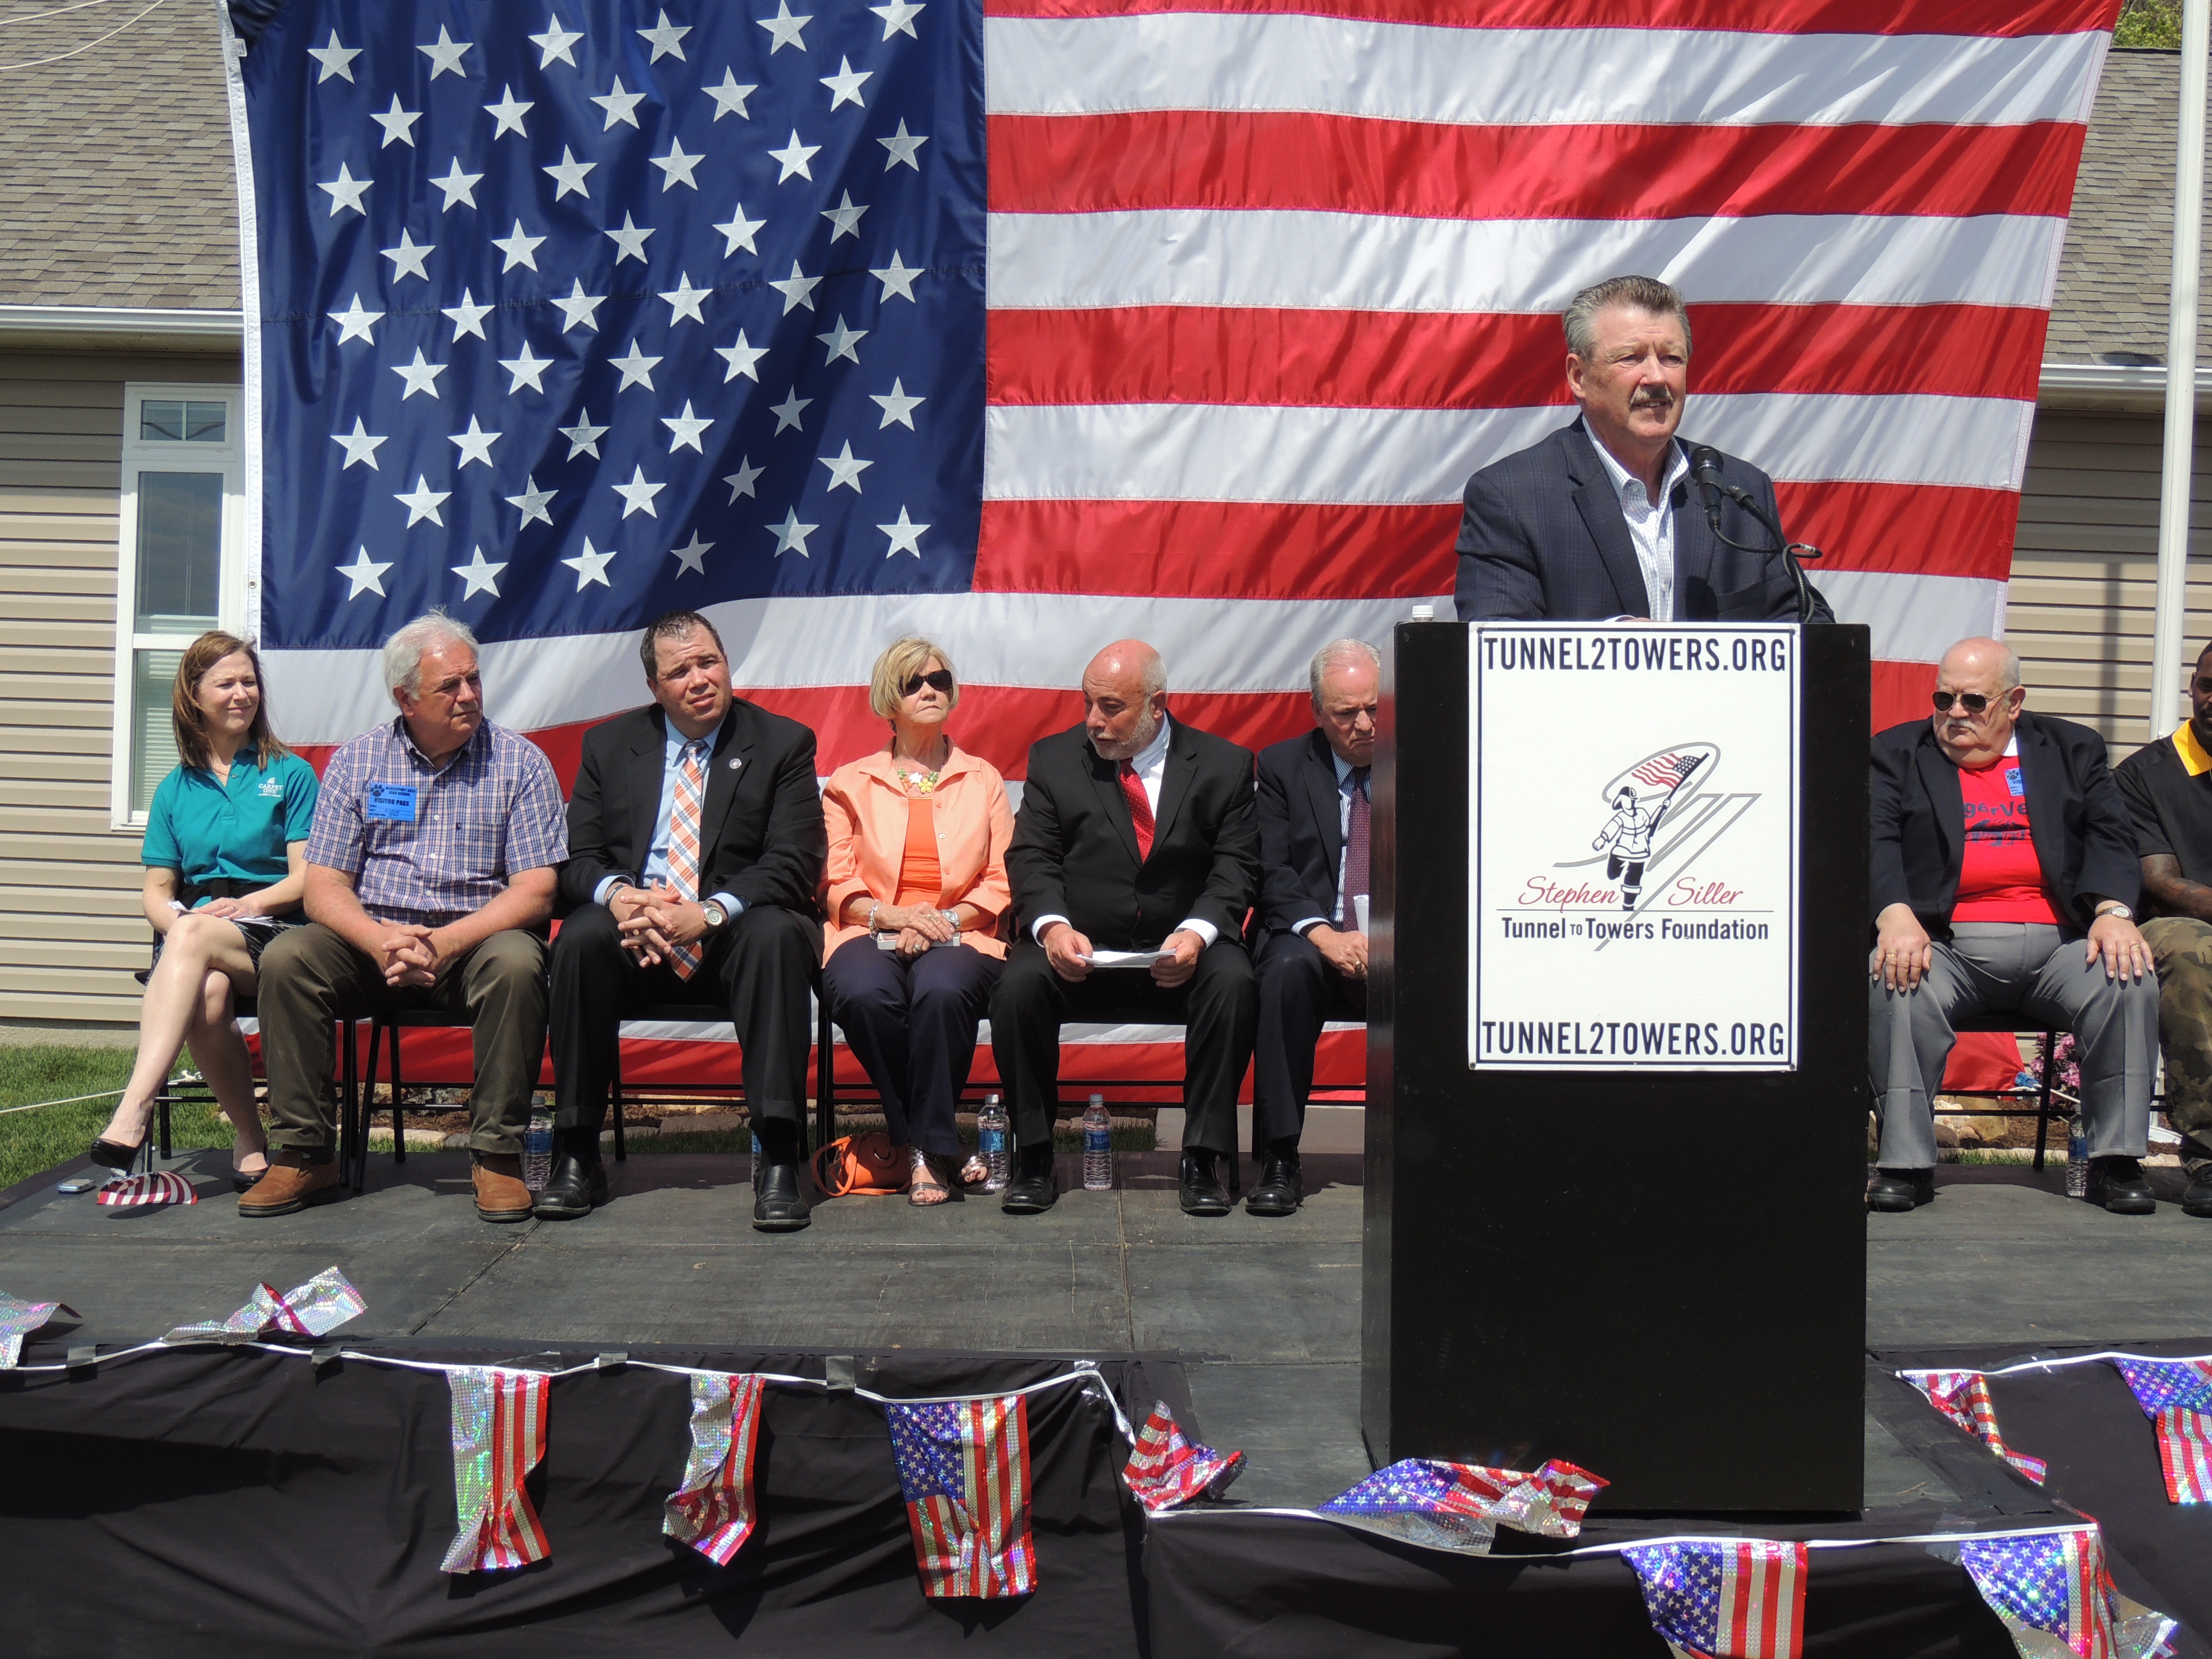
column 916, row 891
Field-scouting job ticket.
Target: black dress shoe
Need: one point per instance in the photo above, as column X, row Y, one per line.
column 109, row 1155
column 2117, row 1184
column 1202, row 1191
column 1281, row 1186
column 575, row 1185
column 1033, row 1190
column 1898, row 1190
column 2197, row 1200
column 777, row 1206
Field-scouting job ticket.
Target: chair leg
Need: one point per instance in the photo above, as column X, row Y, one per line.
column 2043, row 1098
column 353, row 1122
column 398, row 1111
column 622, row 1151
column 825, row 1072
column 161, row 1100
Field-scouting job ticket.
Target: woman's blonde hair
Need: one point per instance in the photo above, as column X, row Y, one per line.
column 190, row 720
column 902, row 660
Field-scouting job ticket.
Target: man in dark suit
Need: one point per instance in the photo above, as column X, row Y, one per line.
column 1310, row 944
column 2004, row 876
column 1136, row 834
column 1603, row 518
column 695, row 843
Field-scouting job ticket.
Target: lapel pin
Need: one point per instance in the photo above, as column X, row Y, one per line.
column 734, row 762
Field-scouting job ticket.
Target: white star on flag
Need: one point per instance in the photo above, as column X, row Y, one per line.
column 335, row 59
column 444, row 55
column 667, row 39
column 474, row 444
column 398, row 124
column 407, row 258
column 786, row 412
column 844, row 218
column 520, row 249
column 790, row 535
column 637, row 368
column 845, row 84
column 906, row 536
column 620, row 106
column 902, row 145
column 346, row 191
column 741, row 358
column 687, row 430
column 844, row 470
column 583, row 437
column 421, row 503
column 692, row 555
column 508, row 112
column 898, row 18
column 359, row 446
column 798, row 289
column 841, row 341
column 629, row 240
column 482, row 577
column 467, row 318
column 554, row 43
column 898, row 278
column 532, row 501
column 684, row 300
column 580, row 309
column 637, row 495
column 354, row 322
column 794, row 157
column 363, row 574
column 742, row 481
column 897, row 405
column 459, row 186
column 730, row 97
column 420, row 376
column 785, row 28
column 675, row 166
column 569, row 173
column 526, row 370
column 739, row 230
column 591, row 567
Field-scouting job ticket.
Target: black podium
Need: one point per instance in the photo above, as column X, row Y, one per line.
column 1659, row 1275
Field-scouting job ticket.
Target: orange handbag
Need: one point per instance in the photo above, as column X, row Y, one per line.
column 865, row 1165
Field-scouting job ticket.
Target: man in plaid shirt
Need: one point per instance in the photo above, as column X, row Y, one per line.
column 431, row 872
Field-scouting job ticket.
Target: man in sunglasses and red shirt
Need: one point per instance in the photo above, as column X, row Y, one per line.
column 2004, row 878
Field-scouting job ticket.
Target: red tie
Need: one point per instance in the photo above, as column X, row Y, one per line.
column 1141, row 809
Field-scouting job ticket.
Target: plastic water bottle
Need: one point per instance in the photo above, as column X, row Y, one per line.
column 2077, row 1159
column 757, row 1155
column 991, row 1140
column 538, row 1149
column 1098, row 1147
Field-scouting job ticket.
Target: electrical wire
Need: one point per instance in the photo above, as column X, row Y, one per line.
column 40, row 63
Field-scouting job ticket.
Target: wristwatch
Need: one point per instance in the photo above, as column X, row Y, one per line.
column 2114, row 907
column 715, row 914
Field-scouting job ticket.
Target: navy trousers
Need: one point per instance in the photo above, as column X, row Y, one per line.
column 913, row 1025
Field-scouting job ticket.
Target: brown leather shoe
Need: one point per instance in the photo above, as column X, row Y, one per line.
column 292, row 1183
column 500, row 1195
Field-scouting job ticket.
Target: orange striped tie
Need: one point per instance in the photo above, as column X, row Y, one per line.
column 683, row 845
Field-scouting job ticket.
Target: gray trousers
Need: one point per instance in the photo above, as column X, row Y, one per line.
column 2036, row 969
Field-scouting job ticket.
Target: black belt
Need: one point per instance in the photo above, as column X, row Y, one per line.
column 190, row 892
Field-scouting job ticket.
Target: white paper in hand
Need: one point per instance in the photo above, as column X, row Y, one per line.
column 1126, row 959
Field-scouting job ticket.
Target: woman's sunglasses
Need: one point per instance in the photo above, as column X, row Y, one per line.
column 937, row 680
column 1973, row 701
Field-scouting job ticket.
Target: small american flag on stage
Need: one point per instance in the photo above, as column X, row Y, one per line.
column 499, row 1436
column 1459, row 1506
column 2055, row 1583
column 314, row 1309
column 713, row 1511
column 1725, row 1598
column 2177, row 1396
column 1964, row 1397
column 964, row 1465
column 1165, row 1470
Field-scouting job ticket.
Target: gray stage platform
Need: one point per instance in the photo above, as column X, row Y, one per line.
column 1265, row 1313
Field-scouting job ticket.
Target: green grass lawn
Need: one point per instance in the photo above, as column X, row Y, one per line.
column 32, row 1141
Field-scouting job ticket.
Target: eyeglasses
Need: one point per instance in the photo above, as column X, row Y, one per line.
column 937, row 680
column 1973, row 701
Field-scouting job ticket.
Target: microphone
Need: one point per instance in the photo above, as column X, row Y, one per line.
column 1705, row 473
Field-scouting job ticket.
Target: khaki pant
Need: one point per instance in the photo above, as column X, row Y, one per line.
column 311, row 979
column 2182, row 947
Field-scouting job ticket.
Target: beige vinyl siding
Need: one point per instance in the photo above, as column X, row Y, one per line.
column 61, row 437
column 2085, row 568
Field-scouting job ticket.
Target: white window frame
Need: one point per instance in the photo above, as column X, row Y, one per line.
column 234, row 587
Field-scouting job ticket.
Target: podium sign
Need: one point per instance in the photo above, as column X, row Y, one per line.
column 1633, row 883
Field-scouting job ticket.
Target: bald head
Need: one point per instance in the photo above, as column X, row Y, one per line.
column 1984, row 671
column 1124, row 698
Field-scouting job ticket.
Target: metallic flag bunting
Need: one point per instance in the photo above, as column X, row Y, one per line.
column 1964, row 1397
column 314, row 1309
column 1724, row 1598
column 713, row 1511
column 964, row 1465
column 18, row 1319
column 499, row 1435
column 1459, row 1506
column 2055, row 1586
column 2177, row 1396
column 1165, row 1470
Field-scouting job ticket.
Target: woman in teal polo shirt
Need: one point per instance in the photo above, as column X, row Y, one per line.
column 226, row 863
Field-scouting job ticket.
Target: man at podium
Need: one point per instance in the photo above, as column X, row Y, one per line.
column 1613, row 516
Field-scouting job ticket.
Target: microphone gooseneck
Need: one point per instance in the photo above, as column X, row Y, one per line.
column 1705, row 474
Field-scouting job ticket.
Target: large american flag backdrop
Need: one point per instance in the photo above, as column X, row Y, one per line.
column 1038, row 322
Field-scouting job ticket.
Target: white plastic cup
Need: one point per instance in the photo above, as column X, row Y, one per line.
column 1359, row 909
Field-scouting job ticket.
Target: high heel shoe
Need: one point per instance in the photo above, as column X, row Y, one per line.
column 109, row 1155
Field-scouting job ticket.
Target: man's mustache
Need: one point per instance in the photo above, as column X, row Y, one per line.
column 1657, row 397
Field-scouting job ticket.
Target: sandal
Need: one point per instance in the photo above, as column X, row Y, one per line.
column 926, row 1184
column 975, row 1172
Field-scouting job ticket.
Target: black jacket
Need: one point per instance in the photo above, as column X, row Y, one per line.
column 1542, row 539
column 1074, row 852
column 2080, row 825
column 1301, row 833
column 762, row 838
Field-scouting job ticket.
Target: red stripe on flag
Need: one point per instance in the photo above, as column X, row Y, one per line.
column 1298, row 160
column 1910, row 529
column 1458, row 360
column 1968, row 17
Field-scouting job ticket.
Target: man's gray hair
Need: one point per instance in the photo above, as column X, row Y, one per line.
column 1156, row 675
column 402, row 652
column 1643, row 293
column 1335, row 652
